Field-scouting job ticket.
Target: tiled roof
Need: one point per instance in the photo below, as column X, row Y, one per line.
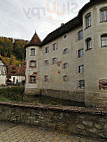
column 35, row 41
column 14, row 70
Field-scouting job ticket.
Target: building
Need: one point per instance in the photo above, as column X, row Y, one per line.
column 3, row 73
column 70, row 63
column 16, row 74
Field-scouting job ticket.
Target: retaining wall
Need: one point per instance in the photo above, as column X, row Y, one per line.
column 72, row 120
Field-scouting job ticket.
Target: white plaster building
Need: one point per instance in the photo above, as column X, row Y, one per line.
column 70, row 63
column 3, row 73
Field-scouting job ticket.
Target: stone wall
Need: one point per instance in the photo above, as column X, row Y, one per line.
column 72, row 120
column 77, row 96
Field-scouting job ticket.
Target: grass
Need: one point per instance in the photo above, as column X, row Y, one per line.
column 2, row 99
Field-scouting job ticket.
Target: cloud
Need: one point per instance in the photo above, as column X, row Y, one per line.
column 19, row 19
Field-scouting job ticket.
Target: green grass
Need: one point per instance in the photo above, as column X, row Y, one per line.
column 3, row 99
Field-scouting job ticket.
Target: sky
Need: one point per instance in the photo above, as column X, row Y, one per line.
column 21, row 18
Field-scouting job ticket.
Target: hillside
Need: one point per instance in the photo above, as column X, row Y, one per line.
column 12, row 51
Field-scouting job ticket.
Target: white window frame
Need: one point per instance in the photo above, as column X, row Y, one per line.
column 88, row 20
column 55, row 46
column 103, row 13
column 104, row 40
column 33, row 51
column 81, row 69
column 54, row 60
column 80, row 53
column 89, row 43
column 80, row 35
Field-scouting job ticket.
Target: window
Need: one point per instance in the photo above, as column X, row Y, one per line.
column 54, row 60
column 32, row 52
column 32, row 63
column 104, row 14
column 32, row 79
column 46, row 62
column 80, row 53
column 46, row 78
column 65, row 51
column 47, row 49
column 89, row 43
column 65, row 78
column 65, row 65
column 55, row 46
column 80, row 35
column 65, row 36
column 104, row 40
column 82, row 84
column 88, row 20
column 81, row 69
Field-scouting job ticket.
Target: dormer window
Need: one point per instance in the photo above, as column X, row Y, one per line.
column 88, row 20
column 32, row 52
column 104, row 14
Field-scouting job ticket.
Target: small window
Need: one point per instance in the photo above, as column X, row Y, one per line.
column 80, row 35
column 55, row 46
column 104, row 40
column 65, row 65
column 65, row 78
column 32, row 79
column 47, row 49
column 104, row 14
column 88, row 20
column 46, row 78
column 32, row 52
column 46, row 62
column 32, row 63
column 80, row 53
column 54, row 60
column 65, row 36
column 81, row 69
column 65, row 51
column 89, row 43
column 82, row 84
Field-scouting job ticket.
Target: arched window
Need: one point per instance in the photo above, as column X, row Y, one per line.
column 103, row 14
column 89, row 43
column 32, row 52
column 104, row 40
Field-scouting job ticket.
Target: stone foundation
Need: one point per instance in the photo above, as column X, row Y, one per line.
column 97, row 99
column 77, row 96
column 32, row 91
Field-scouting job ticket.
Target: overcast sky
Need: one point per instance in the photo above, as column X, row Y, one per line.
column 20, row 18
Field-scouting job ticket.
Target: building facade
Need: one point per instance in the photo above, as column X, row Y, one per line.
column 3, row 73
column 16, row 74
column 70, row 63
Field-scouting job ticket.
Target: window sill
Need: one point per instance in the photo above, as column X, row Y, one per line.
column 103, row 21
column 87, row 28
column 103, row 46
column 88, row 49
column 32, row 82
